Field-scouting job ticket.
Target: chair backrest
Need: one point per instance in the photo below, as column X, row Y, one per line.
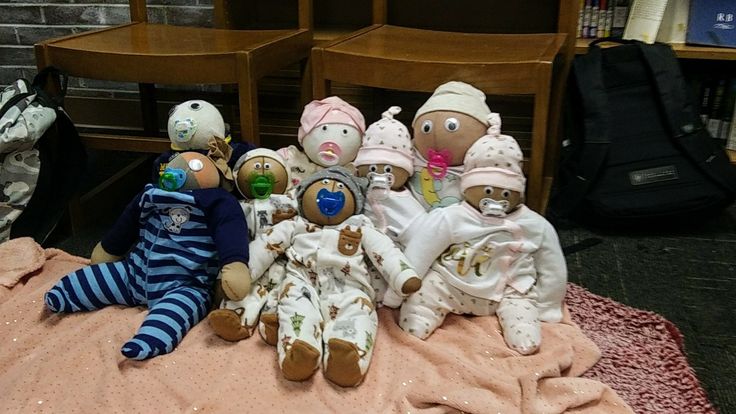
column 272, row 14
column 138, row 11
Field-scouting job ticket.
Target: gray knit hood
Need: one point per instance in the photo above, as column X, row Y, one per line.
column 356, row 185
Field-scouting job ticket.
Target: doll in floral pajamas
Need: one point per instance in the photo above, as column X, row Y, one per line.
column 326, row 307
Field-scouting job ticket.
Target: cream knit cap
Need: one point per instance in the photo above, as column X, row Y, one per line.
column 457, row 97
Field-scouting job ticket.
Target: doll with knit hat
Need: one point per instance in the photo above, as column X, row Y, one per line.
column 445, row 126
column 499, row 258
column 326, row 308
column 385, row 158
column 330, row 132
column 261, row 177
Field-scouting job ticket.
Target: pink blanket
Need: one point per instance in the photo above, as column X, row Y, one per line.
column 72, row 363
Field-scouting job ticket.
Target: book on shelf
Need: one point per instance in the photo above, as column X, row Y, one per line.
column 619, row 16
column 727, row 108
column 714, row 111
column 674, row 22
column 644, row 19
column 712, row 23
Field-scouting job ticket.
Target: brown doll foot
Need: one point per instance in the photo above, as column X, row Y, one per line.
column 226, row 324
column 342, row 364
column 270, row 331
column 300, row 361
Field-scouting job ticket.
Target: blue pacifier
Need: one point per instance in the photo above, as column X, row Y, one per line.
column 330, row 203
column 172, row 179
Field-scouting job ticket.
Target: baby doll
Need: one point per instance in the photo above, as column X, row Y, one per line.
column 192, row 125
column 385, row 158
column 326, row 310
column 164, row 252
column 499, row 257
column 330, row 131
column 451, row 120
column 261, row 177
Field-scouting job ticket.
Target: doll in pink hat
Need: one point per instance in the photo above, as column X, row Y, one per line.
column 497, row 256
column 330, row 132
column 385, row 158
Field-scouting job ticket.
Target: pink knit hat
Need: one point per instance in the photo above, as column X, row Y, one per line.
column 329, row 110
column 387, row 141
column 494, row 159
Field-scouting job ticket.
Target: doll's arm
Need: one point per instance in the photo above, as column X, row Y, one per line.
column 269, row 245
column 122, row 235
column 551, row 284
column 390, row 262
column 428, row 241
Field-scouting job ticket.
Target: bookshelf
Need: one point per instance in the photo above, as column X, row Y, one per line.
column 682, row 51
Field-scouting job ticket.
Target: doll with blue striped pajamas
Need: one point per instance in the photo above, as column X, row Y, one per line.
column 165, row 252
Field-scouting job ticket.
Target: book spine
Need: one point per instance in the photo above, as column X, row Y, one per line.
column 594, row 11
column 620, row 15
column 586, row 18
column 714, row 119
column 609, row 18
column 729, row 101
column 581, row 12
column 602, row 10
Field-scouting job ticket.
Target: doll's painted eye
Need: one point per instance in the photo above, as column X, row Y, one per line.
column 195, row 106
column 387, row 169
column 266, row 165
column 452, row 124
column 427, row 126
column 488, row 190
column 373, row 168
column 325, row 181
column 345, row 132
column 257, row 166
column 195, row 165
column 340, row 186
column 506, row 193
column 324, row 127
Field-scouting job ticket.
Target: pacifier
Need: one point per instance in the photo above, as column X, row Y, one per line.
column 261, row 185
column 491, row 207
column 184, row 129
column 172, row 179
column 330, row 203
column 379, row 184
column 438, row 162
column 329, row 153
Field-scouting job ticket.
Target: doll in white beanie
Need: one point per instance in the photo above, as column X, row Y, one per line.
column 499, row 258
column 445, row 126
column 330, row 131
column 385, row 158
column 261, row 177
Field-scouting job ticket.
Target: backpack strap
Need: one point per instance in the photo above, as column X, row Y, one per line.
column 683, row 122
column 594, row 151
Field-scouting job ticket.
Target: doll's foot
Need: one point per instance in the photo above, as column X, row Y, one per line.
column 300, row 361
column 342, row 366
column 269, row 328
column 523, row 338
column 226, row 324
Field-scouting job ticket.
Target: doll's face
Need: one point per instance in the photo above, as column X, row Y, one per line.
column 332, row 144
column 396, row 175
column 259, row 177
column 192, row 123
column 327, row 202
column 438, row 131
column 506, row 200
column 190, row 171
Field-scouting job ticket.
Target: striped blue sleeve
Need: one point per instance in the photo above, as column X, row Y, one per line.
column 124, row 233
column 227, row 224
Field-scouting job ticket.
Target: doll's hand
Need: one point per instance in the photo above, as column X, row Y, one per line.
column 100, row 255
column 235, row 279
column 411, row 285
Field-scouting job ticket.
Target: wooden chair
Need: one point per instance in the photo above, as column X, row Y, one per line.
column 420, row 59
column 147, row 53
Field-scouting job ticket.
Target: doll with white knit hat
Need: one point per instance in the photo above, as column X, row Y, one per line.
column 330, row 132
column 261, row 177
column 445, row 126
column 386, row 159
column 499, row 258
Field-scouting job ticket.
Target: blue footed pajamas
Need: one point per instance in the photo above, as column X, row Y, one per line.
column 170, row 269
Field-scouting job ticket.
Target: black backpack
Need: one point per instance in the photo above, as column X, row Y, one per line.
column 636, row 150
column 63, row 163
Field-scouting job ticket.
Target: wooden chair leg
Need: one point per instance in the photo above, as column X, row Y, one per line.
column 248, row 101
column 539, row 140
column 305, row 69
column 320, row 85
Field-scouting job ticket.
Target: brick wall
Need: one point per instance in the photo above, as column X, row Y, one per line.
column 25, row 22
